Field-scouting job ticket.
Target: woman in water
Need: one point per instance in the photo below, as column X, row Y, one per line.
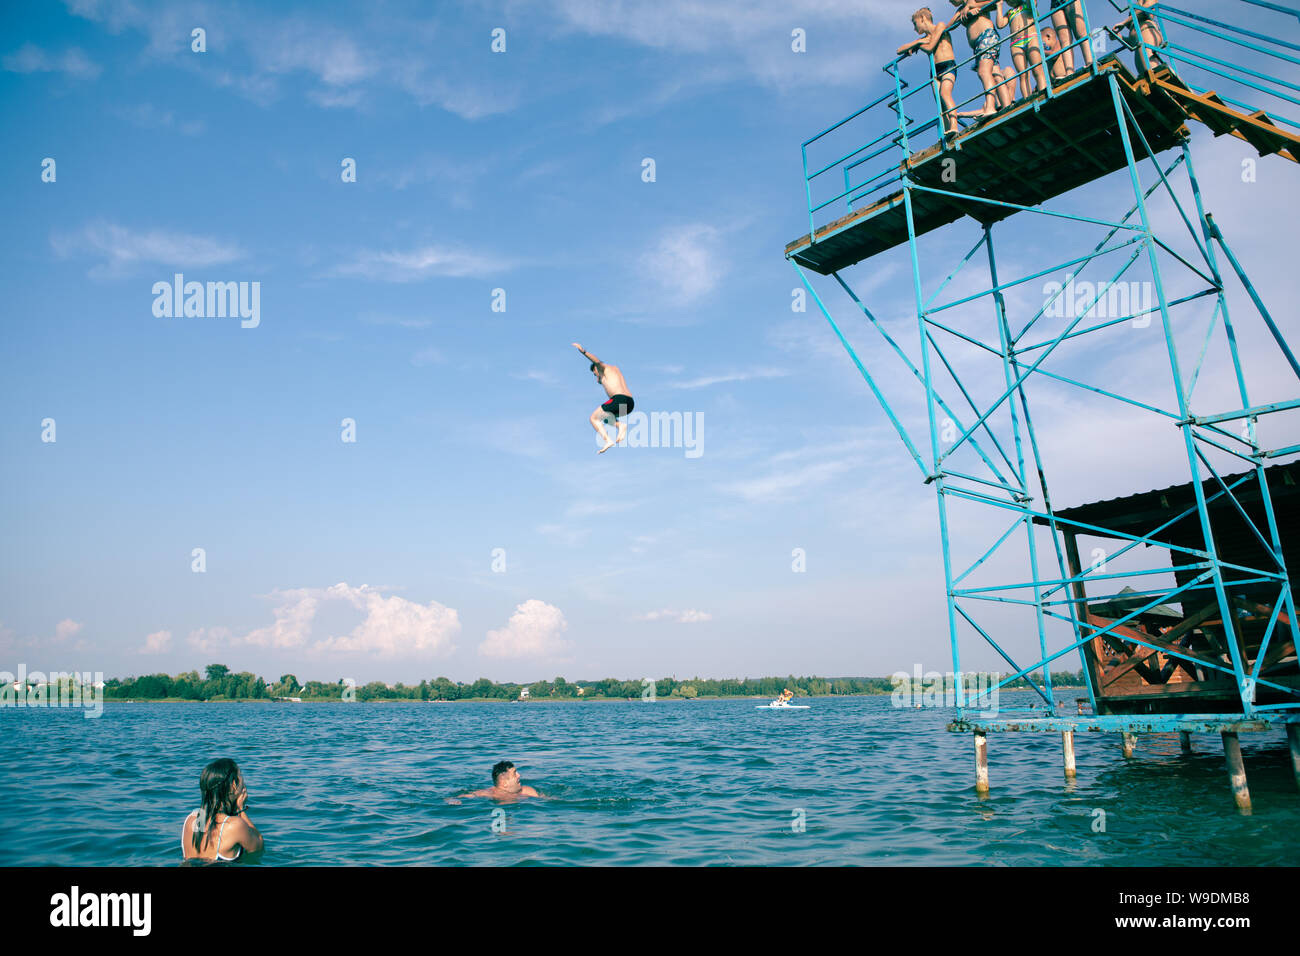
column 219, row 831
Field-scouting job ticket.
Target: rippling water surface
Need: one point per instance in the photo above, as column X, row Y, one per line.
column 668, row 782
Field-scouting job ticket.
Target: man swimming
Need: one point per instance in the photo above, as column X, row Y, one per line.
column 506, row 784
column 619, row 404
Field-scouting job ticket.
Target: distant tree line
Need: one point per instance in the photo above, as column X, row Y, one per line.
column 219, row 683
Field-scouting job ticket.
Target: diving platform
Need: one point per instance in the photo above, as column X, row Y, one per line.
column 1113, row 724
column 1032, row 151
column 1183, row 616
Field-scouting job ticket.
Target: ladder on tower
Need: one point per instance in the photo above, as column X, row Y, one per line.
column 1257, row 128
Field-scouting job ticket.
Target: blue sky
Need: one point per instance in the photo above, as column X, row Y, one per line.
column 476, row 171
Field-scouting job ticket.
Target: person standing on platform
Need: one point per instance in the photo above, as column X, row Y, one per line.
column 985, row 43
column 935, row 41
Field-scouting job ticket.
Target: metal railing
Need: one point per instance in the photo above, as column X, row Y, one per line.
column 870, row 146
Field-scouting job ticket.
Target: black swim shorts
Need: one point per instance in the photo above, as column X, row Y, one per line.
column 618, row 405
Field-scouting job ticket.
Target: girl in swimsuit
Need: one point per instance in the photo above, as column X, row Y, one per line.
column 219, row 831
column 1024, row 44
column 1069, row 24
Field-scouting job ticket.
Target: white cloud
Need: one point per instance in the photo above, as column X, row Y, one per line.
column 332, row 58
column 533, row 375
column 678, row 617
column 748, row 38
column 588, row 507
column 205, row 639
column 393, row 626
column 65, row 629
column 782, row 484
column 32, row 59
column 157, row 643
column 371, row 318
column 422, row 263
column 340, row 66
column 685, row 263
column 744, row 376
column 148, row 116
column 533, row 631
column 293, row 620
column 122, row 249
column 569, row 536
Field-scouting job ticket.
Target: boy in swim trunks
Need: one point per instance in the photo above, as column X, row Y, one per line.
column 934, row 40
column 985, row 43
column 619, row 404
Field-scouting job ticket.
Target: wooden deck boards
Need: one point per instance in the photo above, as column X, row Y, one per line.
column 1033, row 152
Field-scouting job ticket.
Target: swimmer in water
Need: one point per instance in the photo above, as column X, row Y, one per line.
column 620, row 401
column 219, row 831
column 506, row 784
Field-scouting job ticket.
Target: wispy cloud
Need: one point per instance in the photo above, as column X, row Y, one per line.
column 403, row 322
column 148, row 116
column 341, row 67
column 30, row 58
column 749, row 39
column 424, row 262
column 64, row 632
column 570, row 536
column 323, row 52
column 686, row 263
column 534, row 630
column 742, row 376
column 677, row 617
column 427, row 357
column 585, row 509
column 534, row 375
column 783, row 484
column 120, row 249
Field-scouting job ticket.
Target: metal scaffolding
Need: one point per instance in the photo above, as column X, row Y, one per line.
column 895, row 177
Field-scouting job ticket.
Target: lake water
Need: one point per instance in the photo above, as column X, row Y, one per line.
column 632, row 783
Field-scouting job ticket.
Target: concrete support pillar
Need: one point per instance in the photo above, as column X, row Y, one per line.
column 1067, row 744
column 1127, row 744
column 981, row 763
column 1185, row 741
column 1236, row 770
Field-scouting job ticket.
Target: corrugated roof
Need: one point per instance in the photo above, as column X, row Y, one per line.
column 1122, row 512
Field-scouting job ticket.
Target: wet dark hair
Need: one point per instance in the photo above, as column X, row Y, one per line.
column 597, row 365
column 499, row 769
column 217, row 786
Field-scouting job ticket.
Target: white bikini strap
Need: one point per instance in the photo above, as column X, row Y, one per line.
column 221, row 830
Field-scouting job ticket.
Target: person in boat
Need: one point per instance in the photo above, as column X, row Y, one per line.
column 219, row 831
column 786, row 696
column 506, row 784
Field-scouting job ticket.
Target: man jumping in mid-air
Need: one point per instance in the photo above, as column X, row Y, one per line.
column 619, row 404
